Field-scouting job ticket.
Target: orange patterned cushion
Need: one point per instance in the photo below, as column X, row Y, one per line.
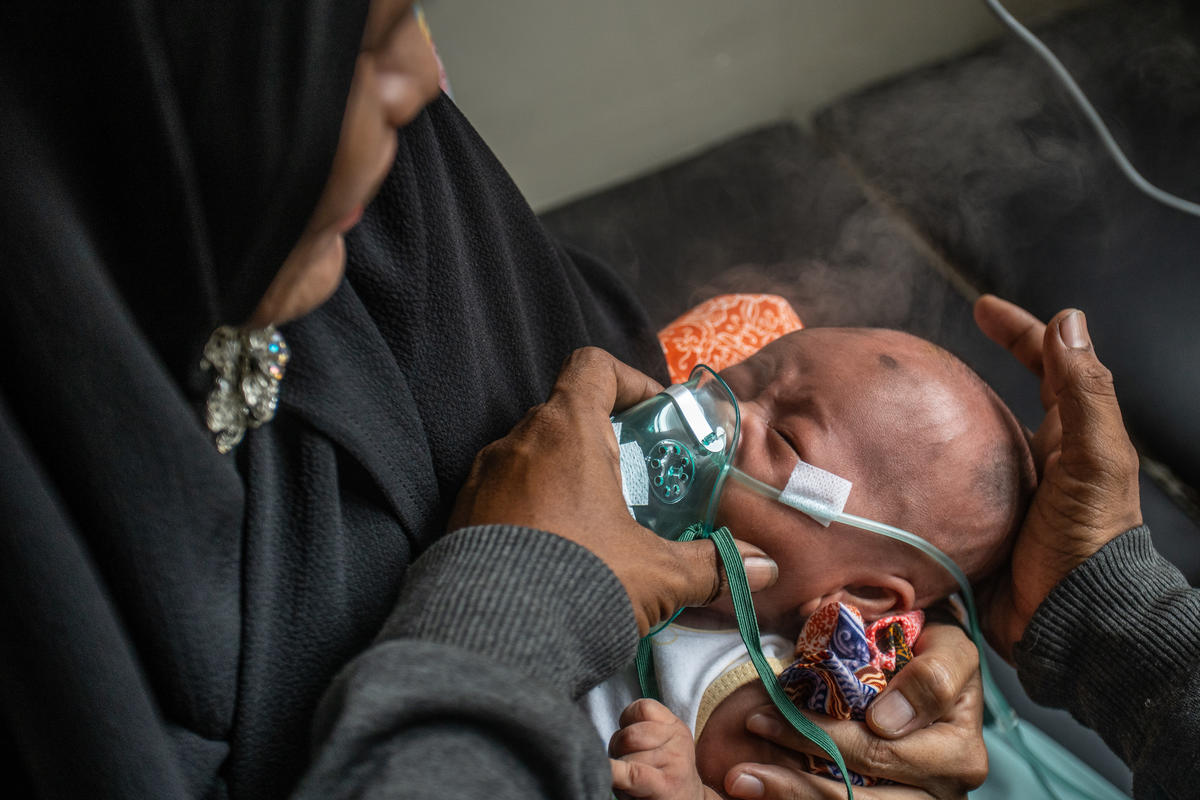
column 725, row 330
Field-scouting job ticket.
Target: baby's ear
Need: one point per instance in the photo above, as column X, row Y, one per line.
column 888, row 594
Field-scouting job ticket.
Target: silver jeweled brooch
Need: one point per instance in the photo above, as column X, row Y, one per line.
column 249, row 364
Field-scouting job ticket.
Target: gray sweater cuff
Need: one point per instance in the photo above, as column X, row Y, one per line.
column 522, row 597
column 1116, row 643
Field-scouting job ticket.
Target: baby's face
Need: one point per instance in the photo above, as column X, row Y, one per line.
column 899, row 419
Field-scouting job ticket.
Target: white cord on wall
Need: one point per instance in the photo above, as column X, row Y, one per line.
column 1089, row 111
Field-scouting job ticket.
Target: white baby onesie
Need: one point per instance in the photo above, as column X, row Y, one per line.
column 696, row 669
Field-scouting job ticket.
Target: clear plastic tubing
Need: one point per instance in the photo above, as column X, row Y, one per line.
column 1005, row 716
column 1090, row 113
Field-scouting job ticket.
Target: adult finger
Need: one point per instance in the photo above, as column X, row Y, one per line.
column 688, row 574
column 597, row 381
column 946, row 758
column 1087, row 402
column 761, row 571
column 774, row 782
column 1013, row 328
column 1047, row 440
column 936, row 684
column 927, row 689
column 1089, row 492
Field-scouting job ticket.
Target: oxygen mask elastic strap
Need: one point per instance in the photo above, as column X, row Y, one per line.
column 747, row 620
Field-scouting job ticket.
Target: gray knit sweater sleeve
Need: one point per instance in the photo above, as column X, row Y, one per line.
column 469, row 689
column 1117, row 643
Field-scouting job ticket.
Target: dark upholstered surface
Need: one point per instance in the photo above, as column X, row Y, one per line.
column 766, row 211
column 989, row 159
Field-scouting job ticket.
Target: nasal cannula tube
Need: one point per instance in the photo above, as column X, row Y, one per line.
column 770, row 492
column 1006, row 718
column 1004, row 714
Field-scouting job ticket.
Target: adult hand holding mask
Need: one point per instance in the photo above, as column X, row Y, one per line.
column 1087, row 491
column 559, row 471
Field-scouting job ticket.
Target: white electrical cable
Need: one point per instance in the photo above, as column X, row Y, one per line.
column 1089, row 111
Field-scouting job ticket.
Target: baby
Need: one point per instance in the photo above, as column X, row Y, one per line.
column 928, row 447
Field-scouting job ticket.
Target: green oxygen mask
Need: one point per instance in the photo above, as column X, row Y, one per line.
column 676, row 451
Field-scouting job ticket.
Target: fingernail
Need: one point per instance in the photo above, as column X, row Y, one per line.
column 1074, row 332
column 892, row 712
column 761, row 572
column 747, row 786
column 764, row 725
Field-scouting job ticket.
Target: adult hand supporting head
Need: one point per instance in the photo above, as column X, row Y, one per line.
column 559, row 471
column 928, row 739
column 1087, row 490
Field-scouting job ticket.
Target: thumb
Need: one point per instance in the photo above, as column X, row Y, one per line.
column 930, row 686
column 1083, row 387
column 602, row 383
column 1094, row 475
column 664, row 576
column 700, row 575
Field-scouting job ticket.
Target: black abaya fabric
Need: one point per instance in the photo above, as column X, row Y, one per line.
column 171, row 616
column 455, row 317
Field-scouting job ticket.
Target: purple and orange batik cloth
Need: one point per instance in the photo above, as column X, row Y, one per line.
column 842, row 665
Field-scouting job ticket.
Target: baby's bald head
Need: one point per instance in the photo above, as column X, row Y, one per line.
column 928, row 446
column 969, row 474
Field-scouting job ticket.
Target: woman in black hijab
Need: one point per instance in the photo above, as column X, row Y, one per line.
column 171, row 614
column 179, row 586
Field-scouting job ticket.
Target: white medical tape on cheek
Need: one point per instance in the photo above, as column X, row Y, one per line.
column 819, row 494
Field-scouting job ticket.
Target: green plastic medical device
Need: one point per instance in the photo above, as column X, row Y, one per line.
column 688, row 435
